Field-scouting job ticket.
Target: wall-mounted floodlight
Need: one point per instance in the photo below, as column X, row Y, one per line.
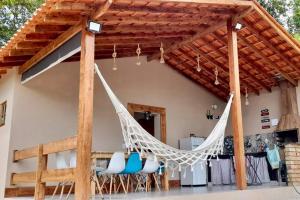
column 94, row 27
column 238, row 26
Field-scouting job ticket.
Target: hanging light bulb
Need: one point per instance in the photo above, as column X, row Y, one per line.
column 114, row 55
column 162, row 60
column 138, row 52
column 217, row 74
column 198, row 64
column 246, row 97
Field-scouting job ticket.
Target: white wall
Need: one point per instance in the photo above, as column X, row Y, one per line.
column 251, row 114
column 6, row 94
column 45, row 108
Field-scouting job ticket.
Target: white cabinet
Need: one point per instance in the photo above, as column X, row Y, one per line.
column 198, row 176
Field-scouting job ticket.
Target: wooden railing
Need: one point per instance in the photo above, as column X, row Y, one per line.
column 42, row 174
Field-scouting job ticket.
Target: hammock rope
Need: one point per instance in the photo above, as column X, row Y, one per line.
column 138, row 139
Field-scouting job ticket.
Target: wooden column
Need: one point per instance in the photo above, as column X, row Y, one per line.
column 40, row 187
column 85, row 116
column 237, row 122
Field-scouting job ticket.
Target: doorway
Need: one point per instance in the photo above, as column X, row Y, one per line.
column 151, row 118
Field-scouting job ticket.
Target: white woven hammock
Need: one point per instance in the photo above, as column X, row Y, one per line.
column 136, row 138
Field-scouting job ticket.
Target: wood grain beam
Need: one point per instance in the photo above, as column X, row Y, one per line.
column 271, row 46
column 276, row 26
column 208, row 71
column 173, row 11
column 196, row 80
column 216, row 63
column 245, row 59
column 210, row 2
column 189, row 40
column 152, row 20
column 268, row 61
column 236, row 113
column 85, row 114
column 201, row 33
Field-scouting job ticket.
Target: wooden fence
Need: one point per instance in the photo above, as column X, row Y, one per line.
column 42, row 174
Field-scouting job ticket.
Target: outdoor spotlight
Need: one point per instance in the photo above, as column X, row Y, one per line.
column 94, row 27
column 238, row 26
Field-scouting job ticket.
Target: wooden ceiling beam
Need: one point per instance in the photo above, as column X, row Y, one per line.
column 189, row 40
column 268, row 61
column 217, row 64
column 122, row 41
column 31, row 45
column 173, row 11
column 276, row 26
column 116, row 36
column 189, row 58
column 11, row 64
column 60, row 40
column 46, row 28
column 210, row 2
column 271, row 46
column 41, row 36
column 201, row 33
column 149, row 20
column 150, row 28
column 244, row 58
column 23, row 52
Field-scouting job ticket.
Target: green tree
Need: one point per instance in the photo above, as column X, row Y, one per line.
column 286, row 12
column 13, row 14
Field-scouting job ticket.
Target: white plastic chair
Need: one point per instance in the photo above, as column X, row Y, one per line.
column 61, row 163
column 150, row 168
column 115, row 166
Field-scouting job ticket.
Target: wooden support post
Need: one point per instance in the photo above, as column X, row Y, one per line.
column 40, row 187
column 237, row 121
column 85, row 115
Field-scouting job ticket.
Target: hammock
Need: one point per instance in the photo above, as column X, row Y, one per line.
column 136, row 138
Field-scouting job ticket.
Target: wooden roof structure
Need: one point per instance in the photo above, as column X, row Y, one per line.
column 187, row 29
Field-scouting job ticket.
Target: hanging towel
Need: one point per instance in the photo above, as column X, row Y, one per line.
column 273, row 157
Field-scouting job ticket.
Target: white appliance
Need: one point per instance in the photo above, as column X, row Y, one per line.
column 197, row 177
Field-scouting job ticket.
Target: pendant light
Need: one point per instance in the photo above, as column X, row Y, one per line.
column 114, row 55
column 198, row 64
column 138, row 52
column 246, row 97
column 162, row 60
column 217, row 74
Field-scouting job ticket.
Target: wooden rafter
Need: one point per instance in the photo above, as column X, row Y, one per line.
column 246, row 60
column 189, row 59
column 208, row 86
column 189, row 40
column 268, row 61
column 216, row 63
column 210, row 2
column 271, row 46
column 276, row 26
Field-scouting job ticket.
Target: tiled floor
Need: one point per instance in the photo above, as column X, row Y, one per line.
column 263, row 192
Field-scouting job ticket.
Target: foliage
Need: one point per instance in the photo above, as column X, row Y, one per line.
column 13, row 14
column 286, row 12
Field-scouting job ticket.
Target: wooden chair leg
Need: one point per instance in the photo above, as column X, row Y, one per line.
column 70, row 190
column 110, row 185
column 122, row 183
column 99, row 187
column 128, row 181
column 156, row 182
column 62, row 191
column 55, row 190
